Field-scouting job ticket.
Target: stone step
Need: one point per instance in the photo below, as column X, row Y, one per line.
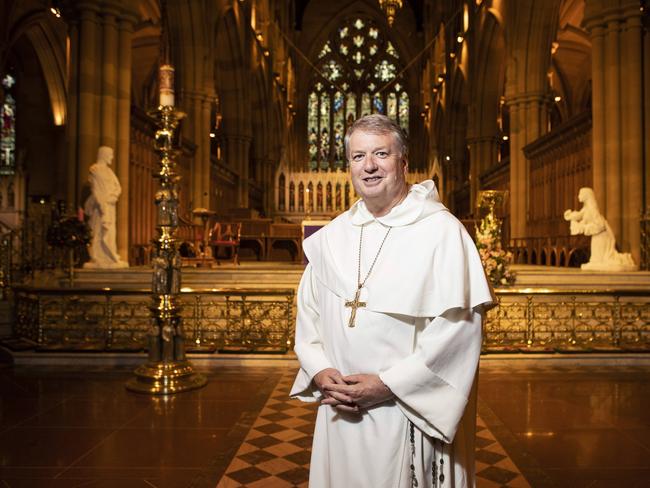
column 264, row 275
column 577, row 279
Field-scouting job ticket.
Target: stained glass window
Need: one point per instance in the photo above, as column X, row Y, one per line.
column 8, row 128
column 361, row 70
column 403, row 109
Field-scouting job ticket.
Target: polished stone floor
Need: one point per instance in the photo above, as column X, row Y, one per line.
column 563, row 423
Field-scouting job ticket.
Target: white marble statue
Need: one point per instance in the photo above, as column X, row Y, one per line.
column 100, row 207
column 590, row 222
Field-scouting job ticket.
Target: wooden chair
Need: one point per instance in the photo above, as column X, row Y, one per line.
column 227, row 235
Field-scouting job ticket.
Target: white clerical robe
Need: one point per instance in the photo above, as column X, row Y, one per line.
column 420, row 331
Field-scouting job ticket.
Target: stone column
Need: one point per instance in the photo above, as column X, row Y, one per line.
column 528, row 118
column 206, row 162
column 613, row 124
column 518, row 172
column 264, row 173
column 598, row 111
column 123, row 131
column 618, row 99
column 646, row 118
column 72, row 175
column 88, row 70
column 109, row 80
column 99, row 97
column 237, row 153
column 483, row 151
column 269, row 187
column 632, row 125
column 198, row 106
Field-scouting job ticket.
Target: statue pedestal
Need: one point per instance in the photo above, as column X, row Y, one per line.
column 94, row 265
column 532, row 276
column 609, row 268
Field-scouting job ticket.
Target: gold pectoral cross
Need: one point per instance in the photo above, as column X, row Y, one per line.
column 354, row 305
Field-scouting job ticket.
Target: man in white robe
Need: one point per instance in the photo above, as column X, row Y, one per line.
column 394, row 366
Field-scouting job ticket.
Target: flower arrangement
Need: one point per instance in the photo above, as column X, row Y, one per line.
column 496, row 260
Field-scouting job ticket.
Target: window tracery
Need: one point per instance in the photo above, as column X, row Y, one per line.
column 357, row 61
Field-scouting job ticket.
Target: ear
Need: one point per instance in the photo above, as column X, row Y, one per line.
column 405, row 162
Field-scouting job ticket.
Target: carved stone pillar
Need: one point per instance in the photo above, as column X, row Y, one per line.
column 72, row 175
column 528, row 119
column 87, row 70
column 632, row 129
column 618, row 101
column 109, row 76
column 123, row 130
column 646, row 118
column 483, row 154
column 237, row 153
column 613, row 100
column 198, row 107
column 598, row 111
column 99, row 97
column 266, row 176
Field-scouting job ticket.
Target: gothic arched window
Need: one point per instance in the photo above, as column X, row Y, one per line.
column 8, row 128
column 361, row 68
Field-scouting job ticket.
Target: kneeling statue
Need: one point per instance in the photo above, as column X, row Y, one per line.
column 590, row 222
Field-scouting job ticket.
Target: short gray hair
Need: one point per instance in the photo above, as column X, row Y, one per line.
column 377, row 124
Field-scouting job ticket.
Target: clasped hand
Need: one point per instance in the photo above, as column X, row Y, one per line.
column 351, row 393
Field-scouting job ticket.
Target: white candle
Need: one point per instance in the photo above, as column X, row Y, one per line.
column 166, row 80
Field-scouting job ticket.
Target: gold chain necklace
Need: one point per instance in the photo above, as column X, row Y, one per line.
column 355, row 304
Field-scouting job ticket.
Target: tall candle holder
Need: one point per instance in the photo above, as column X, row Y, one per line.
column 167, row 370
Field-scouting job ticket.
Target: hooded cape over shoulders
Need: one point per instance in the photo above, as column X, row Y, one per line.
column 429, row 263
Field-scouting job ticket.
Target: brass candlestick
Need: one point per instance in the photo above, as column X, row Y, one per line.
column 167, row 370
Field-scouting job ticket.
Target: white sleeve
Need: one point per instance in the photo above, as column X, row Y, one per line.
column 309, row 346
column 433, row 384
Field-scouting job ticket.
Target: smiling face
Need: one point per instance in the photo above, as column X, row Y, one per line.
column 378, row 170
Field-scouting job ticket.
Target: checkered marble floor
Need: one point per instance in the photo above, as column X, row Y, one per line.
column 276, row 451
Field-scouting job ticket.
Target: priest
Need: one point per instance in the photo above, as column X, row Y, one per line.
column 388, row 330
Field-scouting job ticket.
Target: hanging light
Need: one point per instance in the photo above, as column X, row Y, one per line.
column 390, row 8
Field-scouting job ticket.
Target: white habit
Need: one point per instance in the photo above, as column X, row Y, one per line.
column 420, row 332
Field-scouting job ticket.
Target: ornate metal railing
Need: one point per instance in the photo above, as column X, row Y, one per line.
column 543, row 320
column 253, row 320
column 120, row 320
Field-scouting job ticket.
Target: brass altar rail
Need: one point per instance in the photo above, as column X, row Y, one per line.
column 104, row 319
column 526, row 320
column 560, row 320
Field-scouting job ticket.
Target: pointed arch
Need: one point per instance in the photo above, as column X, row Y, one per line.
column 49, row 46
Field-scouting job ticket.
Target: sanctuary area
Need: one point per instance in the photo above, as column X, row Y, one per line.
column 162, row 162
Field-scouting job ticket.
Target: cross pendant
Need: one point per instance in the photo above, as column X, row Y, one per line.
column 354, row 305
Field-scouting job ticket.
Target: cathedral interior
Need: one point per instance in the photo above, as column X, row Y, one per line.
column 226, row 120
